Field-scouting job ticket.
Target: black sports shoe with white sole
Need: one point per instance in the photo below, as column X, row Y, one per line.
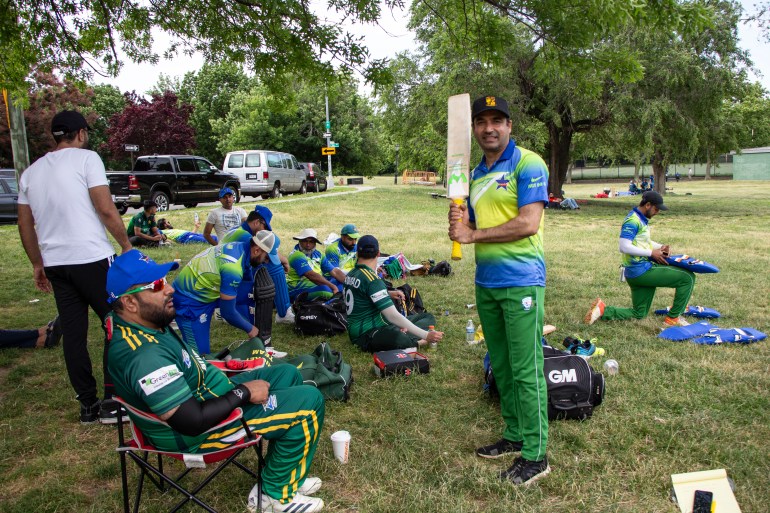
column 498, row 449
column 524, row 472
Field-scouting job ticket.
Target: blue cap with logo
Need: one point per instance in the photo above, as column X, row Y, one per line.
column 225, row 191
column 133, row 268
column 265, row 214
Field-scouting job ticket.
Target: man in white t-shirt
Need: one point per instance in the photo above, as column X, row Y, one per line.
column 224, row 218
column 64, row 207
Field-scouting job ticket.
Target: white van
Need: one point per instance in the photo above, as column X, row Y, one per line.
column 266, row 173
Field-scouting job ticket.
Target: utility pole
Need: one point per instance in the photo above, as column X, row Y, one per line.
column 18, row 135
column 330, row 177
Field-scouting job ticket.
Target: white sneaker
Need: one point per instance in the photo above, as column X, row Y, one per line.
column 276, row 354
column 310, row 486
column 299, row 504
column 286, row 319
column 218, row 315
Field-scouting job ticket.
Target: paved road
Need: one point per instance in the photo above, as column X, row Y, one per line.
column 204, row 207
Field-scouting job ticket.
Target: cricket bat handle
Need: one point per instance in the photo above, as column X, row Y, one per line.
column 457, row 249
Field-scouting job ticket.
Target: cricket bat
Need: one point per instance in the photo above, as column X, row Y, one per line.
column 458, row 154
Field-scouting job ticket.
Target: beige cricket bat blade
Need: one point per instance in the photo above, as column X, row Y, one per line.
column 458, row 154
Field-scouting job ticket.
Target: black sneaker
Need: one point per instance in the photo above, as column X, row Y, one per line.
column 90, row 414
column 53, row 333
column 109, row 412
column 524, row 472
column 498, row 449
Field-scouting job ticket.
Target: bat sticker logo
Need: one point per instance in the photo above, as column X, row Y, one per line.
column 457, row 178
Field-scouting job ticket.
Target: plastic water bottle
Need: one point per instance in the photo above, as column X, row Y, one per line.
column 470, row 332
column 611, row 367
column 434, row 344
column 197, row 218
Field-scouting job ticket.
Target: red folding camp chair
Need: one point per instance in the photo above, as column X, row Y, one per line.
column 139, row 449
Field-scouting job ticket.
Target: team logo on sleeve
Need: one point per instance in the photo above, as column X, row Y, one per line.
column 158, row 379
column 526, row 303
column 186, row 358
column 377, row 296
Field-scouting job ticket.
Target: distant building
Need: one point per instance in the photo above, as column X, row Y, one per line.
column 752, row 164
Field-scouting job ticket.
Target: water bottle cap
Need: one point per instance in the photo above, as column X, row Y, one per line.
column 430, row 328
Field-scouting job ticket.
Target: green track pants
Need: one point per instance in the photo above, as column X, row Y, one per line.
column 512, row 319
column 291, row 420
column 391, row 337
column 643, row 291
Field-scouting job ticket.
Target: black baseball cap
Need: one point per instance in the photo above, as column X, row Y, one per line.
column 68, row 121
column 486, row 103
column 654, row 198
column 367, row 246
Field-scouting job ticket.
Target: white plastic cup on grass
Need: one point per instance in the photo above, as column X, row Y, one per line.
column 341, row 446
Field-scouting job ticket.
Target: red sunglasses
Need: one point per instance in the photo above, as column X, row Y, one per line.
column 155, row 286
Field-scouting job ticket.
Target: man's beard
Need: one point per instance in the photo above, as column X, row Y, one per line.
column 157, row 315
column 255, row 261
column 307, row 252
column 347, row 246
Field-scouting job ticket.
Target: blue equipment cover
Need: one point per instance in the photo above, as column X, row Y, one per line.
column 732, row 335
column 695, row 311
column 691, row 264
column 684, row 332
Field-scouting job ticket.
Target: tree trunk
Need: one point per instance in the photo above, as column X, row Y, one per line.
column 559, row 143
column 659, row 170
column 708, row 166
column 569, row 172
column 637, row 165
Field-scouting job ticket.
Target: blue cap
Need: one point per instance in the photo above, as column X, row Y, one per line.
column 266, row 215
column 368, row 247
column 132, row 268
column 225, row 191
column 351, row 231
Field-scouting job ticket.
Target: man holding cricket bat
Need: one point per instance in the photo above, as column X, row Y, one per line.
column 504, row 220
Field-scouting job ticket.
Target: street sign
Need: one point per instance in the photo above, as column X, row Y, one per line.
column 327, row 150
column 328, row 125
column 131, row 147
column 334, row 144
column 327, row 135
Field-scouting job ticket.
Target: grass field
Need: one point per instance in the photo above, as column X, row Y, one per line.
column 674, row 407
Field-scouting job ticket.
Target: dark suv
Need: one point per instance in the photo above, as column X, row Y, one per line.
column 314, row 177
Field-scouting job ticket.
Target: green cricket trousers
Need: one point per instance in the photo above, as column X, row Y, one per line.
column 291, row 420
column 643, row 291
column 512, row 319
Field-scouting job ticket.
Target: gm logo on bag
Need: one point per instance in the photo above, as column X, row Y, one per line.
column 562, row 376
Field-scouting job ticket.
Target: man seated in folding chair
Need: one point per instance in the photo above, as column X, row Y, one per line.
column 155, row 371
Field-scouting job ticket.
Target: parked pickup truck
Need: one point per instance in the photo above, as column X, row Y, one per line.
column 170, row 180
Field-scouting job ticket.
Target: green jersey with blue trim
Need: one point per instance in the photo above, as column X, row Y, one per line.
column 518, row 178
column 299, row 264
column 218, row 269
column 636, row 229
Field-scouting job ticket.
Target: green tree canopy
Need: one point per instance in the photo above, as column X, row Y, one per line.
column 84, row 37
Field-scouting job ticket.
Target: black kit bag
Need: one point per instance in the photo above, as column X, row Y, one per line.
column 412, row 304
column 325, row 369
column 320, row 316
column 574, row 388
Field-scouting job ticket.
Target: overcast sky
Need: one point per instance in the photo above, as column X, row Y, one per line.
column 385, row 40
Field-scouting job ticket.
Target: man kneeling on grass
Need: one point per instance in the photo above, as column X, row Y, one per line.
column 157, row 372
column 374, row 324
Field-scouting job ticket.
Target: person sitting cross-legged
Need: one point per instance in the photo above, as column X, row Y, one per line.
column 374, row 324
column 157, row 372
column 142, row 229
column 307, row 267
